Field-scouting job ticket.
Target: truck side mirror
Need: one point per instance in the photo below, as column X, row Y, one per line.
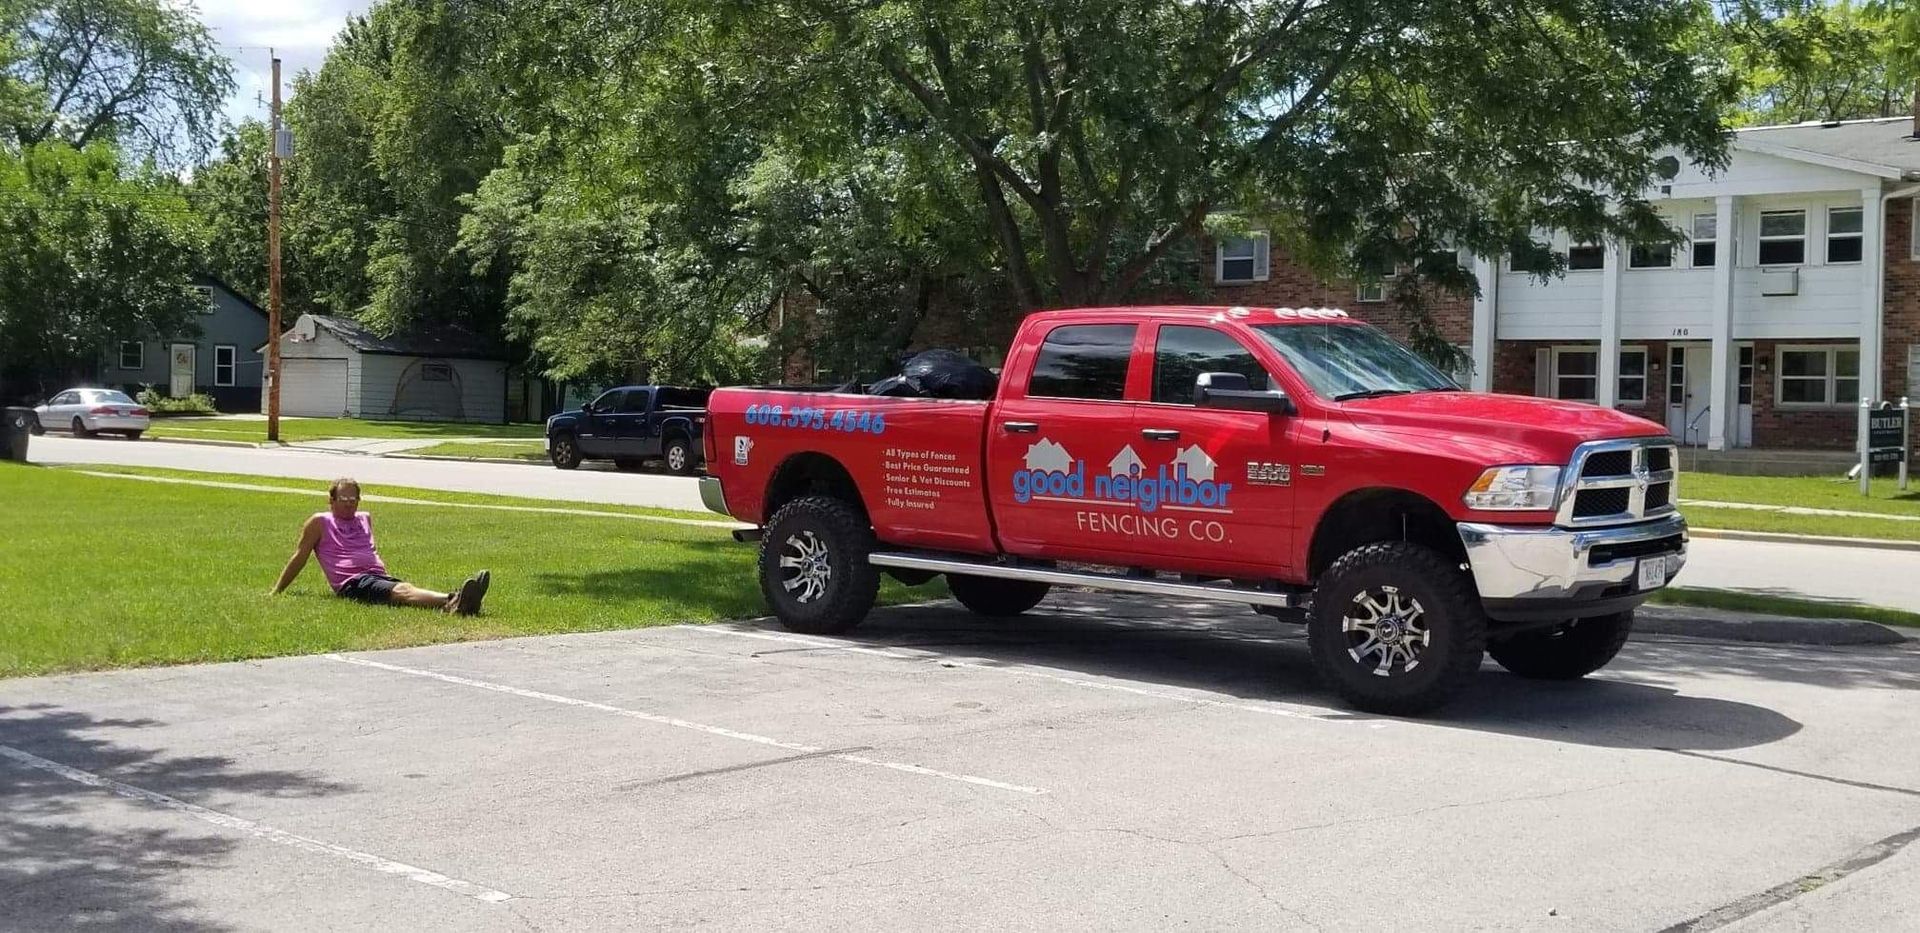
column 1230, row 391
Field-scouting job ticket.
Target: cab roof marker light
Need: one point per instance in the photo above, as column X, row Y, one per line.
column 1237, row 311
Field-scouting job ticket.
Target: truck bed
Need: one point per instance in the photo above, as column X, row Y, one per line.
column 919, row 463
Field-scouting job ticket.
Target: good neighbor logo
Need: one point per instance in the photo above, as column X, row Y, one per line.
column 1187, row 483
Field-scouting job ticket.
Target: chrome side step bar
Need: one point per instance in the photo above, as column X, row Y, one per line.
column 1096, row 581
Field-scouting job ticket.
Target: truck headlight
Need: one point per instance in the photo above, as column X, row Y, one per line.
column 1514, row 488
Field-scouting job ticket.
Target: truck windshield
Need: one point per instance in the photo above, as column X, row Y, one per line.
column 1349, row 361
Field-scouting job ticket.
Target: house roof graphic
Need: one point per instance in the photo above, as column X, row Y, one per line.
column 1199, row 466
column 1126, row 462
column 1049, row 456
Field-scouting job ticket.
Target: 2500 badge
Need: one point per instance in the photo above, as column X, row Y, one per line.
column 817, row 419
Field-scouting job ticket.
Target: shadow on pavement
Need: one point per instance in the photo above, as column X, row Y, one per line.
column 70, row 859
column 1228, row 650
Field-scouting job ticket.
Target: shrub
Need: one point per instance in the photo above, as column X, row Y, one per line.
column 195, row 404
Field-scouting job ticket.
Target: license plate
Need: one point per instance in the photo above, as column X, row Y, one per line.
column 1653, row 573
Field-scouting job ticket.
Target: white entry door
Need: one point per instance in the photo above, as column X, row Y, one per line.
column 1689, row 374
column 181, row 370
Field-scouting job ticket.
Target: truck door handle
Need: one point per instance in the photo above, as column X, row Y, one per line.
column 1160, row 434
column 1020, row 427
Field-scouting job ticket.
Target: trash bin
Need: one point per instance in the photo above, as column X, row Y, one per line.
column 14, row 433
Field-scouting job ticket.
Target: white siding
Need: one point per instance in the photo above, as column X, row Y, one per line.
column 1676, row 303
column 482, row 388
column 1751, row 173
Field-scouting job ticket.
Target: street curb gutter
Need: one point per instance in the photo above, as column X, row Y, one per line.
column 462, row 459
column 211, row 443
column 1775, row 630
column 1778, row 538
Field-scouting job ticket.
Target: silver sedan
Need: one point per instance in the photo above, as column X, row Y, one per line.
column 87, row 412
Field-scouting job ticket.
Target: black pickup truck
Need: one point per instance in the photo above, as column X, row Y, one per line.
column 631, row 425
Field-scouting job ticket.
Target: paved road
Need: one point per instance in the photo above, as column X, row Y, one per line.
column 591, row 483
column 1080, row 768
column 1883, row 578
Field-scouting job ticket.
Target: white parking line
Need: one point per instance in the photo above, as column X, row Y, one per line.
column 1039, row 673
column 258, row 830
column 685, row 724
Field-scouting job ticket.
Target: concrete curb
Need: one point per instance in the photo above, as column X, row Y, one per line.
column 1775, row 537
column 1776, row 630
column 212, row 443
column 462, row 459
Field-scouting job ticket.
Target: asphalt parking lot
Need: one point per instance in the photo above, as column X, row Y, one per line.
column 1088, row 766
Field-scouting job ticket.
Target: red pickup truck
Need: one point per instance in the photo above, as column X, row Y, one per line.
column 1291, row 459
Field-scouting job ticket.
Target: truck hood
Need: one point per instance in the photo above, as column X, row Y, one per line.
column 1508, row 427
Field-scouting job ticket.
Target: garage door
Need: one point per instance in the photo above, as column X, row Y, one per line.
column 313, row 388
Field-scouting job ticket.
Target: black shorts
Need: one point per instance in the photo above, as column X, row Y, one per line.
column 373, row 588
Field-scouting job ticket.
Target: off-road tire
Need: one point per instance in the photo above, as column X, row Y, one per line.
column 80, row 428
column 1455, row 623
column 999, row 599
column 677, row 456
column 564, row 451
column 1567, row 653
column 852, row 584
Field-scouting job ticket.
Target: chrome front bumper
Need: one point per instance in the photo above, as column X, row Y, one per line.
column 1519, row 564
column 712, row 496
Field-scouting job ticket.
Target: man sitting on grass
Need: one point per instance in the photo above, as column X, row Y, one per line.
column 342, row 536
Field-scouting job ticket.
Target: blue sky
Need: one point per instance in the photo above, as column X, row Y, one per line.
column 299, row 30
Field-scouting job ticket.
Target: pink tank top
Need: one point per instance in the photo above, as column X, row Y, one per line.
column 346, row 548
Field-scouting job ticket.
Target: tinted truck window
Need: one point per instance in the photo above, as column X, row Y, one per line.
column 1183, row 353
column 1084, row 361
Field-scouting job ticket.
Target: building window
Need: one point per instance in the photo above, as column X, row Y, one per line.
column 1084, row 361
column 1650, row 256
column 1916, row 229
column 223, row 364
column 1633, row 377
column 1241, row 259
column 1817, row 376
column 1576, row 375
column 1371, row 291
column 1706, row 240
column 436, row 372
column 133, row 354
column 1586, row 256
column 1783, row 238
column 1843, row 234
column 1676, row 375
column 1746, row 376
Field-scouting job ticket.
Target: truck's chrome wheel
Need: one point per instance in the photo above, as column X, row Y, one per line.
column 1386, row 625
column 804, row 568
column 677, row 459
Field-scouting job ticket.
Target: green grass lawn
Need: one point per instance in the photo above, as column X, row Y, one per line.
column 151, row 573
column 1781, row 606
column 1813, row 492
column 505, row 450
column 313, row 429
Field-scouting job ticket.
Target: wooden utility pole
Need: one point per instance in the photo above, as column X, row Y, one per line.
column 273, row 264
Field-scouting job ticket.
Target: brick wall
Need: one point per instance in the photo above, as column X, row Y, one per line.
column 1816, row 428
column 1902, row 301
column 1291, row 285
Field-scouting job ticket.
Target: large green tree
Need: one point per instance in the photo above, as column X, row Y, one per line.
column 1803, row 60
column 91, row 251
column 142, row 73
column 887, row 156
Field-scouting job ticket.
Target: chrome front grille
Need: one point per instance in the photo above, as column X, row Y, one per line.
column 1615, row 482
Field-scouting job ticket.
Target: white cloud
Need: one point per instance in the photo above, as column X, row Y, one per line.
column 299, row 31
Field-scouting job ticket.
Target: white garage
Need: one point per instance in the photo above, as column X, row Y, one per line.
column 333, row 367
column 314, row 388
